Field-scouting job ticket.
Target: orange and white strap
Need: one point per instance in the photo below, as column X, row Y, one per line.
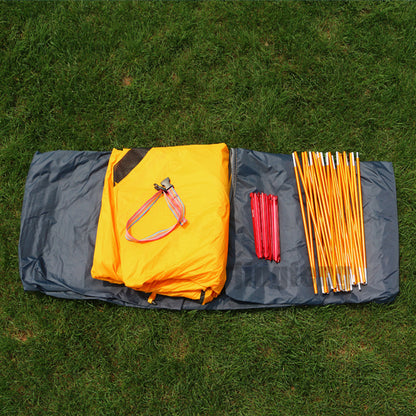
column 174, row 203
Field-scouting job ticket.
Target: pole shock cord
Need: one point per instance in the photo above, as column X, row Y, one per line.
column 175, row 204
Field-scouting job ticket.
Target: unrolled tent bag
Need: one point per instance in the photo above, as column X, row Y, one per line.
column 59, row 225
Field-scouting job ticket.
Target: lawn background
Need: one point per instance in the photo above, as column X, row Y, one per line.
column 273, row 77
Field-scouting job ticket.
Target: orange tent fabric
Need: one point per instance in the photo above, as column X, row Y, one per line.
column 190, row 261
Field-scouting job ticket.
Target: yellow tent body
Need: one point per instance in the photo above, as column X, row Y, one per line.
column 191, row 260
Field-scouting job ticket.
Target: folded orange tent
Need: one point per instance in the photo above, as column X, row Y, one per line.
column 189, row 261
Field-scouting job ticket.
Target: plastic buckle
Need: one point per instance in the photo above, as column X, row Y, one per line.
column 164, row 186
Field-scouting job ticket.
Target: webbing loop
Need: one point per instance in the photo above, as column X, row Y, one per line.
column 175, row 204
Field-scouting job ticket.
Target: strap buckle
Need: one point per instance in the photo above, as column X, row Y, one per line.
column 164, row 186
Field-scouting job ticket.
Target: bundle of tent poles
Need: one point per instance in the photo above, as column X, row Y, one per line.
column 332, row 213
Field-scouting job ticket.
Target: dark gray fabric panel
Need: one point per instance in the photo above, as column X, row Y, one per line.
column 289, row 282
column 60, row 216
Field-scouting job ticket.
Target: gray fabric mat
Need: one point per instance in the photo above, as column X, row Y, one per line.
column 60, row 214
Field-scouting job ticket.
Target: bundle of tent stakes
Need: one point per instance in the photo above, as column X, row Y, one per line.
column 333, row 219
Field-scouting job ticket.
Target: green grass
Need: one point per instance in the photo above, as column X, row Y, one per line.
column 274, row 77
